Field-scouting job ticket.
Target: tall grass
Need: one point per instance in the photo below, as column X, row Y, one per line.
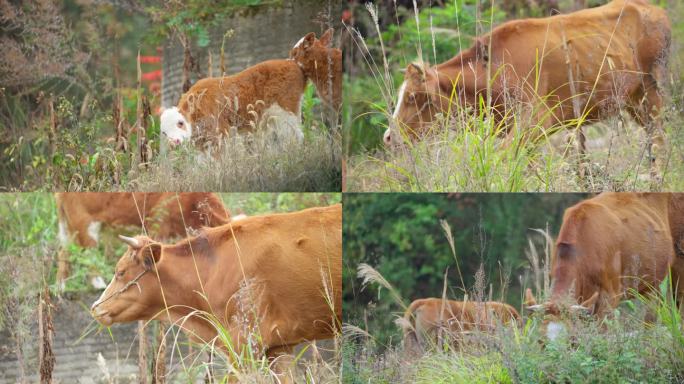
column 247, row 163
column 466, row 150
column 621, row 347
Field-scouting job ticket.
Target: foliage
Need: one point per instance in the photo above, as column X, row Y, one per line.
column 195, row 18
column 620, row 347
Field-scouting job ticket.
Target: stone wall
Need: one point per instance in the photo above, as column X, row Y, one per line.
column 76, row 353
column 259, row 34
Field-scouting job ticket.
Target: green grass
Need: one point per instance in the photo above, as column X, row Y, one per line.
column 618, row 348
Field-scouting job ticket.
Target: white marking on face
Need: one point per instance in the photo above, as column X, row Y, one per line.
column 387, row 137
column 62, row 235
column 94, row 230
column 397, row 107
column 175, row 126
column 300, row 42
column 103, row 295
column 238, row 217
column 554, row 329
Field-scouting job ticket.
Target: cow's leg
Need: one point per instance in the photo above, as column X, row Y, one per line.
column 282, row 361
column 646, row 106
column 677, row 272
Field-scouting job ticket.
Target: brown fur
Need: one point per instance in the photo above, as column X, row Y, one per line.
column 323, row 65
column 635, row 61
column 290, row 260
column 609, row 244
column 214, row 105
column 425, row 318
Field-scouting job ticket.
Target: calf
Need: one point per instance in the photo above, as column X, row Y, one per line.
column 273, row 278
column 426, row 318
column 322, row 64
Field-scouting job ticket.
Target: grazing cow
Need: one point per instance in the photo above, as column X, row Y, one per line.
column 588, row 63
column 322, row 64
column 607, row 245
column 264, row 97
column 425, row 318
column 278, row 276
column 163, row 215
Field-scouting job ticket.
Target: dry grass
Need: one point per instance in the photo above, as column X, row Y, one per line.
column 247, row 163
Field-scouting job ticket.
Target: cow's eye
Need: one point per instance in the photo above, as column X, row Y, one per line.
column 120, row 273
column 412, row 98
column 180, row 125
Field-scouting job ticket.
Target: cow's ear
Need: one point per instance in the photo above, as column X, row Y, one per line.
column 308, row 40
column 326, row 39
column 416, row 71
column 481, row 50
column 151, row 255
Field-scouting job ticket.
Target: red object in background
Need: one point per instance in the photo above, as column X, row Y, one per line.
column 150, row 59
column 152, row 76
column 347, row 16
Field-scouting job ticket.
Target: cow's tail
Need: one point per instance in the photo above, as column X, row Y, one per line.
column 412, row 345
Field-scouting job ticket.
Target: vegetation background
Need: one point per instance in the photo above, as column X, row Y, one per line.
column 75, row 116
column 400, row 237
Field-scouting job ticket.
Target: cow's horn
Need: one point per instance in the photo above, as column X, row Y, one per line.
column 133, row 242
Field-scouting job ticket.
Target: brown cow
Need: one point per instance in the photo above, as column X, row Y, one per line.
column 616, row 54
column 278, row 275
column 162, row 215
column 425, row 318
column 607, row 245
column 322, row 64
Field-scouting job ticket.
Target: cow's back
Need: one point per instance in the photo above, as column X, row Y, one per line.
column 213, row 105
column 617, row 43
column 296, row 259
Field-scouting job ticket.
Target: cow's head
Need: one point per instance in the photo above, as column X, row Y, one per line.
column 426, row 92
column 419, row 99
column 174, row 126
column 309, row 51
column 558, row 310
column 134, row 292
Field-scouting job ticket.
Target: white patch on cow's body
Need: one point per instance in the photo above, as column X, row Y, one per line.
column 98, row 282
column 63, row 235
column 94, row 230
column 238, row 217
column 554, row 329
column 169, row 121
column 281, row 124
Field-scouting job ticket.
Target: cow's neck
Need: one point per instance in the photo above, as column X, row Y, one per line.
column 183, row 293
